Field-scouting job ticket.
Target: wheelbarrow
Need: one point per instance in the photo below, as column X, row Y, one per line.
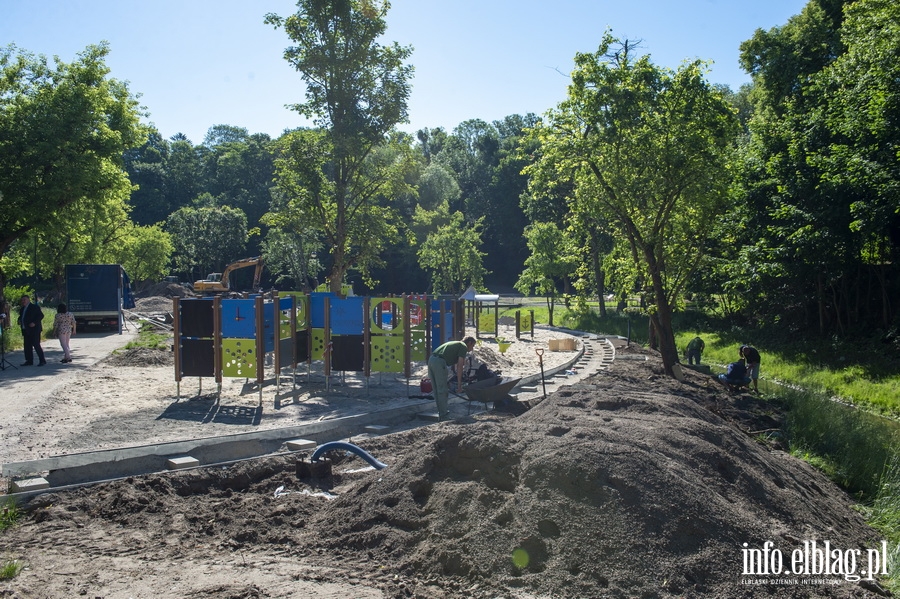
column 495, row 391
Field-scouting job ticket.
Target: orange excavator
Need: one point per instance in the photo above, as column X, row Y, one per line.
column 220, row 282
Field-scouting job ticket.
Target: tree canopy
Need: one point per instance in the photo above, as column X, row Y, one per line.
column 63, row 130
column 648, row 149
column 357, row 91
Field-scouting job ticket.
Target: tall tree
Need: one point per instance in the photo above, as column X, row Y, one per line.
column 63, row 130
column 551, row 259
column 453, row 256
column 648, row 148
column 793, row 218
column 357, row 91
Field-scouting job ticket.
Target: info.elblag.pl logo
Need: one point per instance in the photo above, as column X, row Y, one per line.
column 814, row 559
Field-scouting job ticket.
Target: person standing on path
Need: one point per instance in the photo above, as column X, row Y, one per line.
column 452, row 353
column 695, row 351
column 750, row 354
column 30, row 317
column 64, row 327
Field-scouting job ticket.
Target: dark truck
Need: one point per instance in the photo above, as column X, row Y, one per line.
column 97, row 293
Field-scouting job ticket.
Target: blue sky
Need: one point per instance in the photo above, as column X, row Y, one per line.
column 198, row 63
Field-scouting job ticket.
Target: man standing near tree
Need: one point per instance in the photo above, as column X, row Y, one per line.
column 30, row 317
column 695, row 351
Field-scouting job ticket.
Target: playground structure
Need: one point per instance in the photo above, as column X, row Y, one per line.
column 216, row 337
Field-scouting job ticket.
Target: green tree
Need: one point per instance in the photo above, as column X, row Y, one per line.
column 861, row 163
column 798, row 257
column 648, row 149
column 206, row 239
column 452, row 254
column 357, row 91
column 551, row 259
column 63, row 130
column 359, row 228
column 145, row 252
column 293, row 257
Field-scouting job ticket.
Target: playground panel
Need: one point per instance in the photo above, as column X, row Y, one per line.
column 250, row 327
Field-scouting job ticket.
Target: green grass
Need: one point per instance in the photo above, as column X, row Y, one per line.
column 150, row 337
column 9, row 569
column 9, row 514
column 871, row 386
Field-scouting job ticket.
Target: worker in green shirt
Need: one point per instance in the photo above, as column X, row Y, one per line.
column 452, row 353
column 695, row 350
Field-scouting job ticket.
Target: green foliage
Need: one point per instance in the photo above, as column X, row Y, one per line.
column 357, row 91
column 70, row 116
column 292, row 256
column 206, row 239
column 453, row 257
column 649, row 150
column 150, row 337
column 815, row 218
column 551, row 258
column 144, row 252
column 856, row 445
column 9, row 569
column 9, row 514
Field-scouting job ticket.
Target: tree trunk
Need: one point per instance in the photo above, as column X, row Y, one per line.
column 662, row 318
column 550, row 305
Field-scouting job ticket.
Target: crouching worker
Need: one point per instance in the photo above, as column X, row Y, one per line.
column 452, row 353
column 735, row 376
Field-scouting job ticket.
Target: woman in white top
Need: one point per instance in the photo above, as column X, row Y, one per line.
column 64, row 327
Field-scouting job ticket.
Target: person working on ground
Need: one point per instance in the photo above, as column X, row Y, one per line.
column 695, row 351
column 452, row 353
column 30, row 317
column 735, row 375
column 750, row 354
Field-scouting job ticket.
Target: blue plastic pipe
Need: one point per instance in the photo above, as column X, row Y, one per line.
column 349, row 447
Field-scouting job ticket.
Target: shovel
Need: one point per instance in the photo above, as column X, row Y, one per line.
column 540, row 354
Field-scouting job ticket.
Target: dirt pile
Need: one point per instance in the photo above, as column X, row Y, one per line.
column 165, row 290
column 142, row 356
column 627, row 485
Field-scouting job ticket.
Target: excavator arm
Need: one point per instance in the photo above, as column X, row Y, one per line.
column 224, row 284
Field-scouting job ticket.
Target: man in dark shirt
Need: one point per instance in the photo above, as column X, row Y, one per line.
column 452, row 353
column 30, row 317
column 750, row 354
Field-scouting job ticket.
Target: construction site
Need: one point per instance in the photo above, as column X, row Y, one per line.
column 616, row 480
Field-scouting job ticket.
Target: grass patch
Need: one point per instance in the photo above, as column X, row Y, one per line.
column 9, row 569
column 820, row 369
column 150, row 337
column 9, row 514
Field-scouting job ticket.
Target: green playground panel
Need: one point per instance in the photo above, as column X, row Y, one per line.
column 487, row 323
column 417, row 346
column 377, row 327
column 301, row 305
column 239, row 358
column 387, row 353
column 525, row 324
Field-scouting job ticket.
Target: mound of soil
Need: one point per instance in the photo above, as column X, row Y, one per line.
column 630, row 484
column 164, row 289
column 142, row 356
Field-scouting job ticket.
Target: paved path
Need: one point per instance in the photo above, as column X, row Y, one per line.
column 22, row 385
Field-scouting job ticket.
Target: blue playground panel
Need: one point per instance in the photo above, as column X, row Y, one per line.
column 347, row 316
